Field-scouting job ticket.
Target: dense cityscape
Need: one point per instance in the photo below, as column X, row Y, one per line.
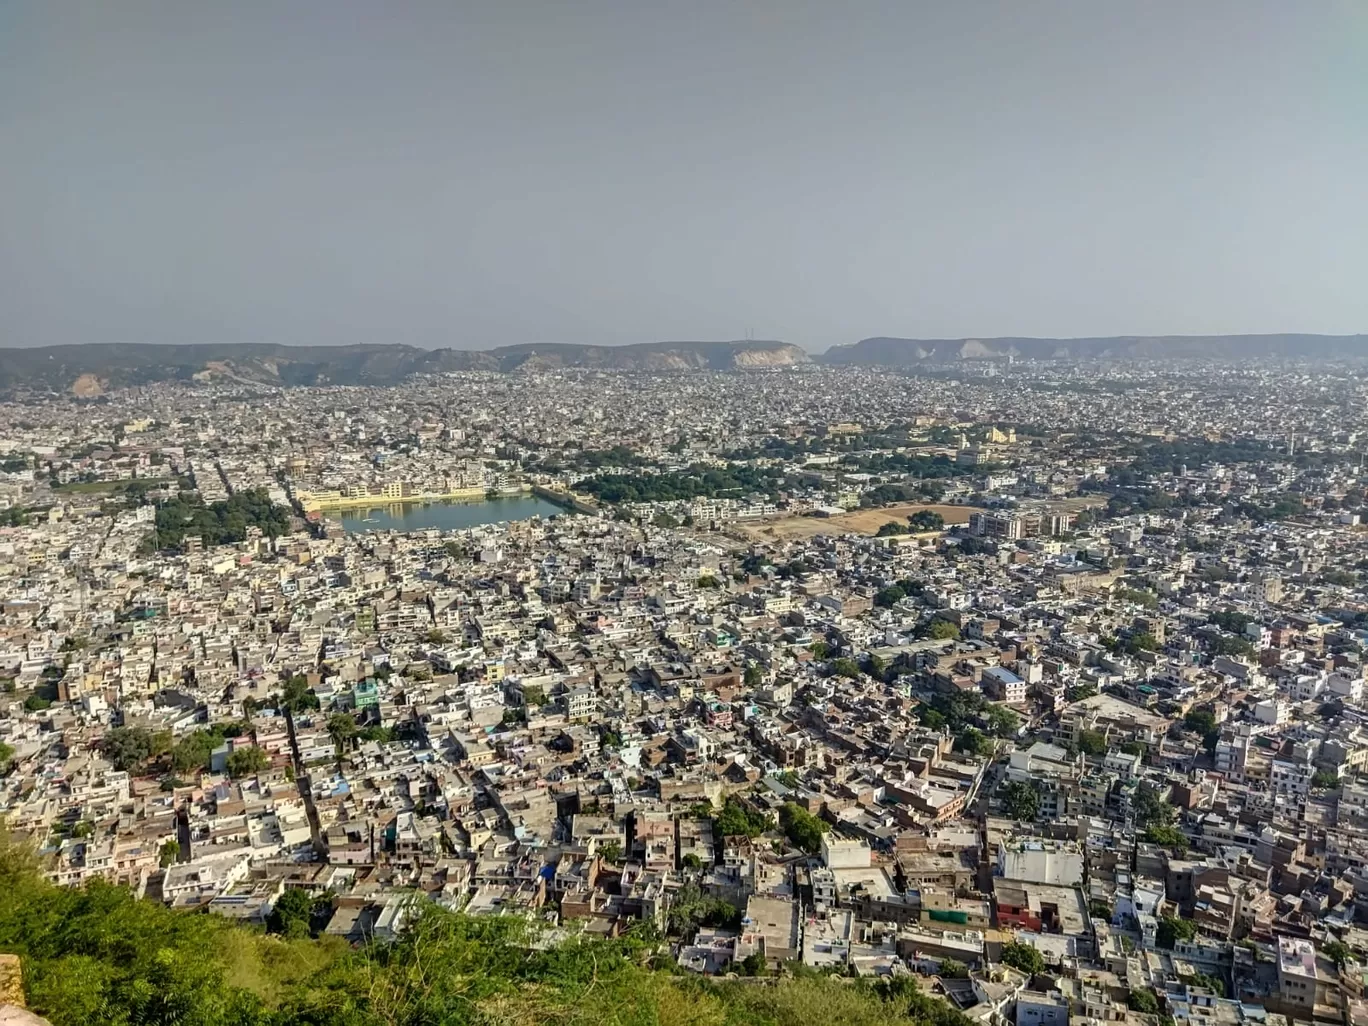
column 1040, row 683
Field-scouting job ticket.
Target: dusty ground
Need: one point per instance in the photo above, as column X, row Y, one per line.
column 860, row 521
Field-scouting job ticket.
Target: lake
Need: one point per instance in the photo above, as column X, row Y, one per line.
column 445, row 516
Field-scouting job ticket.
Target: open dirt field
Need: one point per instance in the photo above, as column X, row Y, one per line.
column 860, row 521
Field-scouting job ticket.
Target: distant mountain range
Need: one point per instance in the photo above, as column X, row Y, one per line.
column 907, row 352
column 89, row 370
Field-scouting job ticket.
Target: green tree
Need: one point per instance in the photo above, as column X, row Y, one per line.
column 691, row 908
column 1021, row 800
column 953, row 969
column 753, row 676
column 889, row 596
column 128, row 748
column 1171, row 930
column 1152, row 808
column 1205, row 981
column 926, row 520
column 1003, row 722
column 845, row 667
column 610, row 852
column 1338, row 952
column 99, row 955
column 296, row 695
column 244, row 762
column 192, row 751
column 1092, row 742
column 6, row 758
column 220, row 523
column 737, row 820
column 1321, row 778
column 1167, row 837
column 943, row 630
column 1200, row 721
column 754, row 965
column 974, row 742
column 291, row 913
column 801, row 827
column 1233, row 622
column 1023, row 957
column 1225, row 646
column 343, row 730
column 1142, row 642
column 1140, row 598
column 170, row 852
column 1142, row 1001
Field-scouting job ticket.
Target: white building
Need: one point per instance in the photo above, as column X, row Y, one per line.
column 842, row 854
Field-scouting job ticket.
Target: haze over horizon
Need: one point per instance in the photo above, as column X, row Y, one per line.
column 483, row 175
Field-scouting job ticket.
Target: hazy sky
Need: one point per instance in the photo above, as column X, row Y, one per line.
column 477, row 174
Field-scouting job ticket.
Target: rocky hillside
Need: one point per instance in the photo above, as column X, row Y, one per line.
column 89, row 370
column 909, row 352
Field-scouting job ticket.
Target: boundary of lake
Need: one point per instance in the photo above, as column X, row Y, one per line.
column 425, row 499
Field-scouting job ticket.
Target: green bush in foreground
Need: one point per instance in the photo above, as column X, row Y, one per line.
column 98, row 955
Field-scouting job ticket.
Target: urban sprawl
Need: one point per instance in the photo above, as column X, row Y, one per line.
column 1041, row 681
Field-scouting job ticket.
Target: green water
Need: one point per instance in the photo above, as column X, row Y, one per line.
column 445, row 516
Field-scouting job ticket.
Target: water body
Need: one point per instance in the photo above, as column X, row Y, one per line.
column 445, row 516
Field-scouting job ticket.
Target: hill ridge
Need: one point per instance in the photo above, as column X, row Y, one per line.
column 88, row 369
column 91, row 368
column 893, row 351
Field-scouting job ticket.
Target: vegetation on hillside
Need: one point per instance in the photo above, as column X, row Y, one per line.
column 99, row 955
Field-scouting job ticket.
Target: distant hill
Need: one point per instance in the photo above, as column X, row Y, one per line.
column 908, row 352
column 91, row 369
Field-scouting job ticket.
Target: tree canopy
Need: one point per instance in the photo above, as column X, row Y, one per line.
column 737, row 819
column 1023, row 957
column 1021, row 800
column 1152, row 808
column 218, row 523
column 1171, row 930
column 244, row 762
column 1092, row 742
column 801, row 827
